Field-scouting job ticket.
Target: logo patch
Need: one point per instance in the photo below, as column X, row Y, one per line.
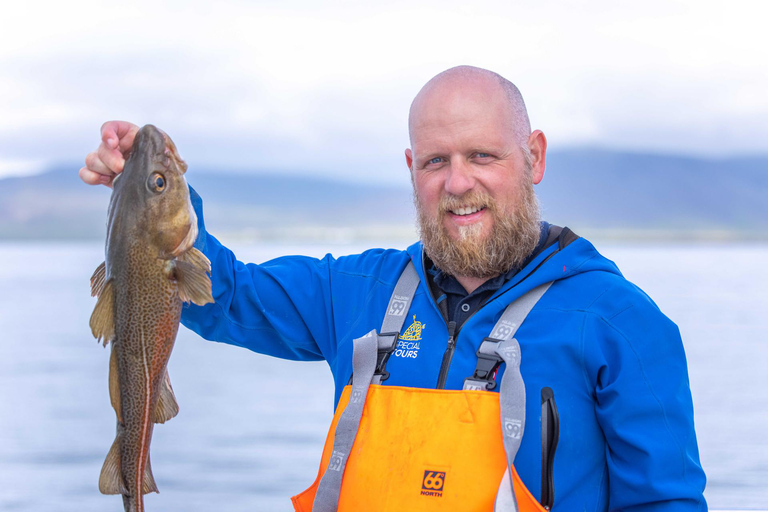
column 513, row 428
column 337, row 460
column 433, row 483
column 503, row 330
column 409, row 342
column 397, row 306
column 510, row 353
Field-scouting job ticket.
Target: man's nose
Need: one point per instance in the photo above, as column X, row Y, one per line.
column 460, row 179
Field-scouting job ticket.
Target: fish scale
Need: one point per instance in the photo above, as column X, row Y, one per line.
column 149, row 270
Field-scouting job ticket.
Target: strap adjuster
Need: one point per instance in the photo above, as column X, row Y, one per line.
column 383, row 354
column 487, row 364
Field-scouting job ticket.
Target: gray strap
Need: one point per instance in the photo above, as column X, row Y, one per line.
column 365, row 357
column 516, row 312
column 401, row 299
column 506, row 328
column 397, row 309
column 512, row 391
column 512, row 405
column 363, row 365
column 505, row 498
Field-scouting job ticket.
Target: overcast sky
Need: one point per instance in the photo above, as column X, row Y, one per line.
column 325, row 87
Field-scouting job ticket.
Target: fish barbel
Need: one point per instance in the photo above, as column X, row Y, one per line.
column 149, row 270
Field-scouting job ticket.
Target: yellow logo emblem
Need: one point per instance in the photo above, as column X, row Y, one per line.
column 413, row 332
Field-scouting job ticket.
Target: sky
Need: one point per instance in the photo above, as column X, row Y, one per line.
column 324, row 87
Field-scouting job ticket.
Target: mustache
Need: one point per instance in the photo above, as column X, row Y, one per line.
column 472, row 199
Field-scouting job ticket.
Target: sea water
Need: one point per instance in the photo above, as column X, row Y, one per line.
column 251, row 428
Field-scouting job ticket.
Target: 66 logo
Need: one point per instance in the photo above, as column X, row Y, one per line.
column 433, row 480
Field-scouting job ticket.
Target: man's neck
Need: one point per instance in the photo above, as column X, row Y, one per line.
column 472, row 283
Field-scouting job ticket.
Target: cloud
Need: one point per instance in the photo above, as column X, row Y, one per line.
column 327, row 88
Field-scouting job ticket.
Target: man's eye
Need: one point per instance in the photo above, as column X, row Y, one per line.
column 435, row 160
column 482, row 155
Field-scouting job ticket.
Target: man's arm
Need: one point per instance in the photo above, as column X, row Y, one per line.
column 636, row 361
column 281, row 307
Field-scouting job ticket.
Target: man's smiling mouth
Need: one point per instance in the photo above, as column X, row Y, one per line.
column 467, row 210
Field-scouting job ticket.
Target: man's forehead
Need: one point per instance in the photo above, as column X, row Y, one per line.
column 461, row 114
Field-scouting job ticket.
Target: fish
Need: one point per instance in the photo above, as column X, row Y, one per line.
column 150, row 269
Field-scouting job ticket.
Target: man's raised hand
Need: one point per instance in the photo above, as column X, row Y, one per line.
column 102, row 165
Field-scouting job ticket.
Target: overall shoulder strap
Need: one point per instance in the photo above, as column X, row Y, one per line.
column 369, row 358
column 501, row 346
column 488, row 360
column 397, row 309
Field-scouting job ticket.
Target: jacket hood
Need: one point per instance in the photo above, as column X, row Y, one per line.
column 560, row 260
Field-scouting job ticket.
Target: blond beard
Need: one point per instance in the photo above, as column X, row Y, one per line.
column 513, row 238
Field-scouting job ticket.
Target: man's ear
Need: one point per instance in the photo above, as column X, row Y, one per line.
column 537, row 144
column 409, row 158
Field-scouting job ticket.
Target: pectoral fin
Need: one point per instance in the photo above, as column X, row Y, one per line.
column 166, row 407
column 111, row 478
column 97, row 279
column 194, row 283
column 102, row 319
column 196, row 258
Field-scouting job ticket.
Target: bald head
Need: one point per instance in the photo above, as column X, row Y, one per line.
column 468, row 83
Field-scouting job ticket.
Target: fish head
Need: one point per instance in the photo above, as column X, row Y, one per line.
column 150, row 198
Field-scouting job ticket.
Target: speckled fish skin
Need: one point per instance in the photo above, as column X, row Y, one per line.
column 150, row 269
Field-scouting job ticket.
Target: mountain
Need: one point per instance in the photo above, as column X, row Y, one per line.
column 613, row 191
column 58, row 205
column 592, row 191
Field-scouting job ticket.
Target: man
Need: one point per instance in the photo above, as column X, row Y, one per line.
column 608, row 365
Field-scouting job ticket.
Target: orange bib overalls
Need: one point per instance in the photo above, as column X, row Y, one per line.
column 392, row 448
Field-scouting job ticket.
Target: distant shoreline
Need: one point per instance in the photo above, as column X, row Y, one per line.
column 376, row 233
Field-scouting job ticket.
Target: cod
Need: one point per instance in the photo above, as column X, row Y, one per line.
column 150, row 269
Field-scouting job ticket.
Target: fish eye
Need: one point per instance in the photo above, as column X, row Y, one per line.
column 157, row 182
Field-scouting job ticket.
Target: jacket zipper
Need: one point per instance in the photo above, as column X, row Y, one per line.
column 447, row 356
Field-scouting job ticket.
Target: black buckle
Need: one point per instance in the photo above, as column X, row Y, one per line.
column 487, row 366
column 384, row 353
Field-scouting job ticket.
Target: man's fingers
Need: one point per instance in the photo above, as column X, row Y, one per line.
column 102, row 165
column 118, row 135
column 108, row 161
column 94, row 178
column 94, row 162
column 109, row 133
column 126, row 140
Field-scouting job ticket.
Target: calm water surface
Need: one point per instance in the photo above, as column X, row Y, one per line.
column 251, row 428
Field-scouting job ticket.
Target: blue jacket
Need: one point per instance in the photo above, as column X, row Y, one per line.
column 615, row 363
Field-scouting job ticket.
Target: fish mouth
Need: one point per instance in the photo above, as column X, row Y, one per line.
column 172, row 154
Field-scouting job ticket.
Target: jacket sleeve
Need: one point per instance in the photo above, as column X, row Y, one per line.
column 644, row 407
column 280, row 308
